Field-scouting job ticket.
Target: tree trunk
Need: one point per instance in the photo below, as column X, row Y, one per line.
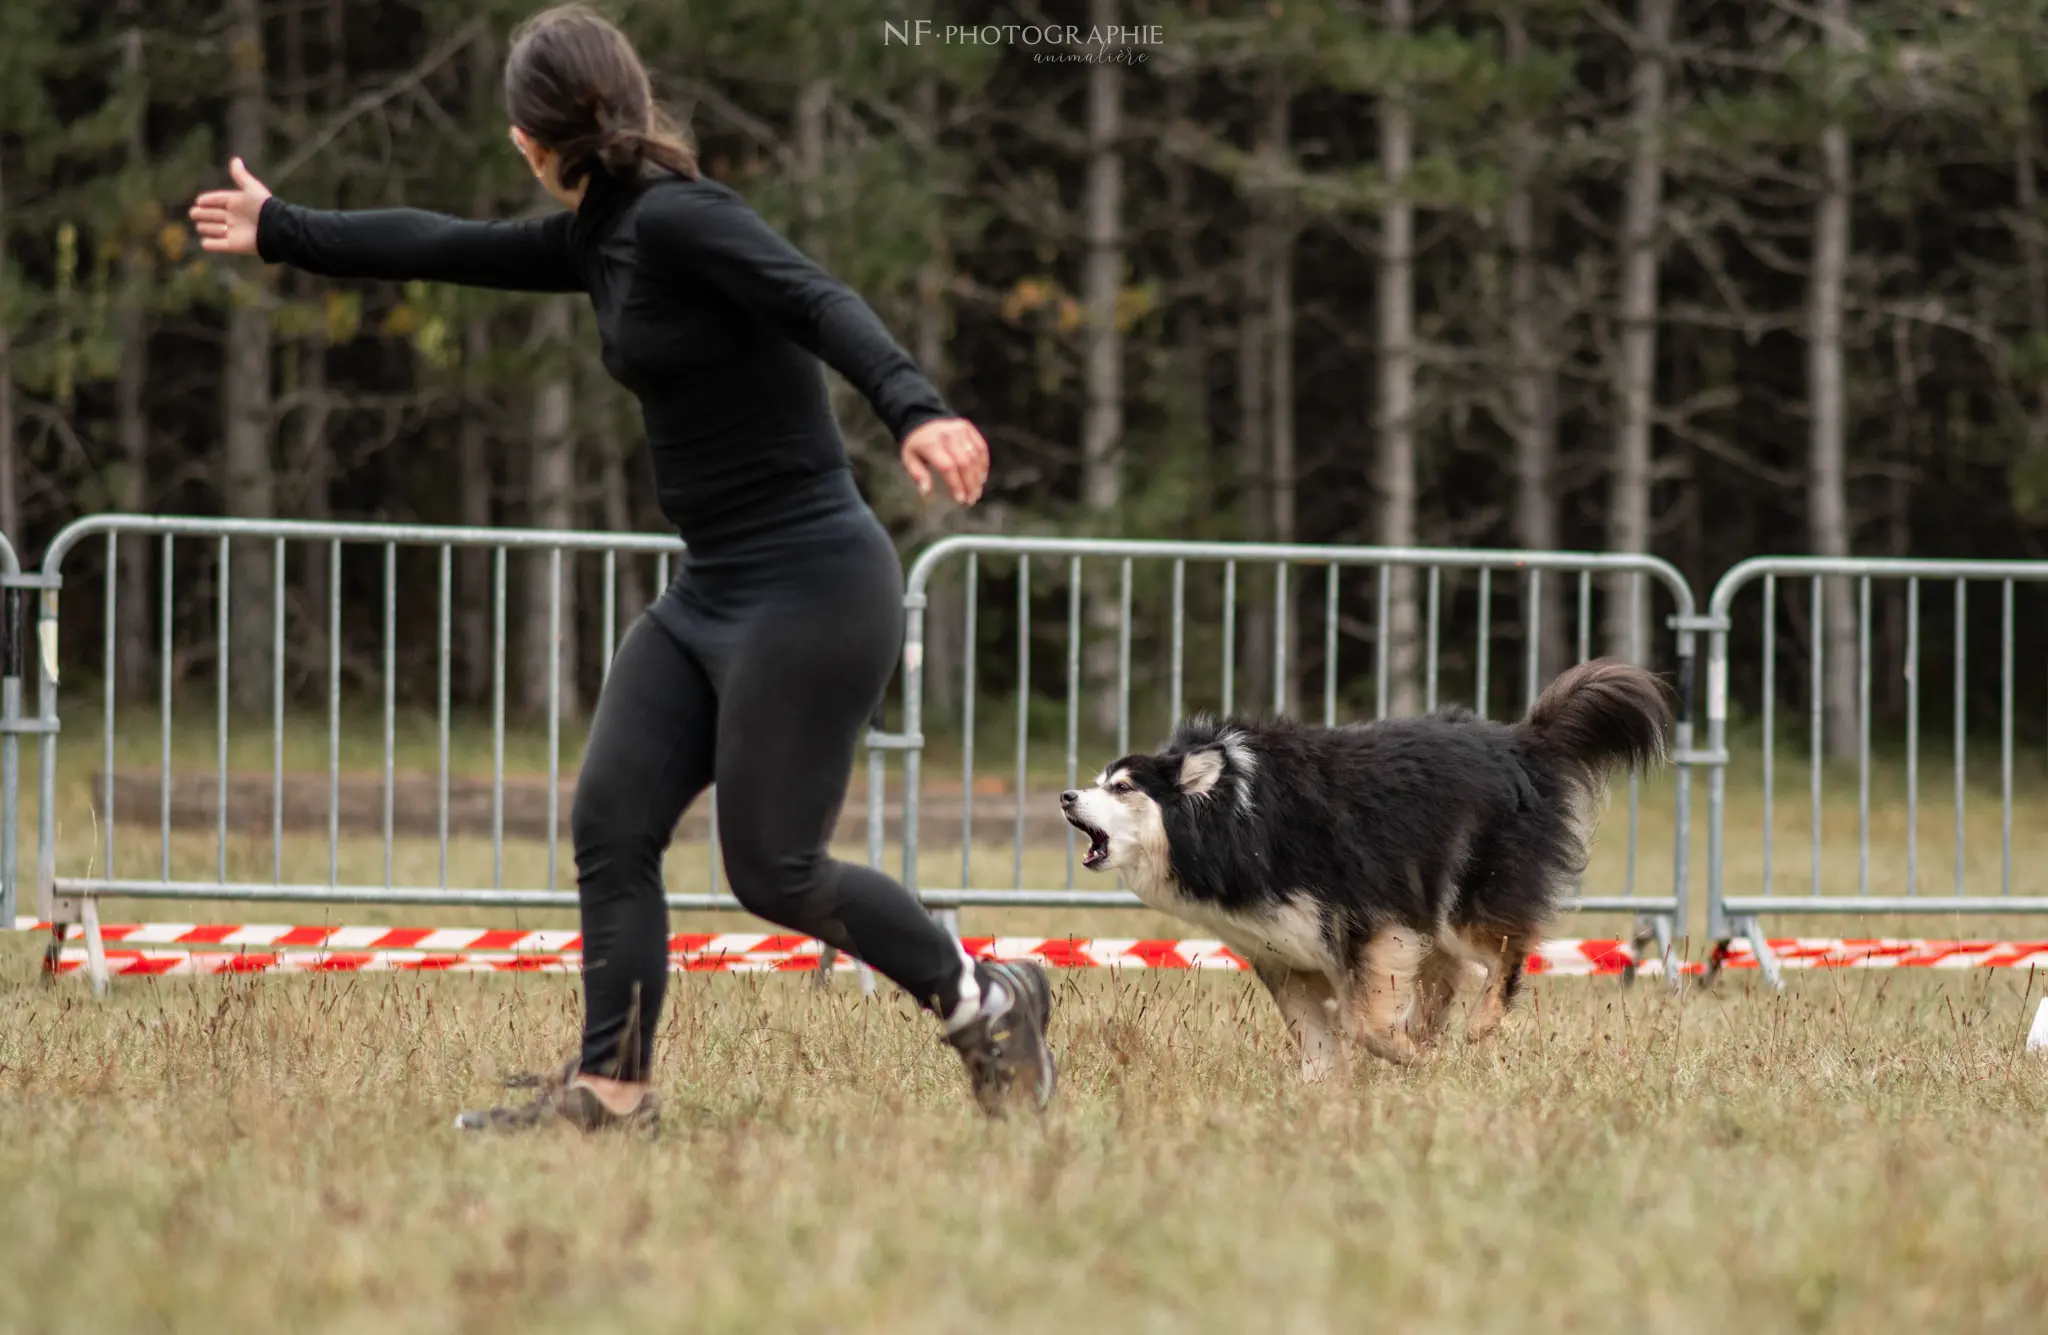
column 1280, row 347
column 551, row 482
column 945, row 619
column 134, row 649
column 1532, row 381
column 1628, row 514
column 311, row 468
column 1102, row 424
column 475, row 487
column 1397, row 465
column 1827, row 487
column 2027, row 194
column 10, row 504
column 248, row 480
column 1253, row 364
column 475, row 484
column 615, row 495
column 1189, row 336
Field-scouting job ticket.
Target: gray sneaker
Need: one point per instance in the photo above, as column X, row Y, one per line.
column 561, row 1096
column 1004, row 1047
column 575, row 1103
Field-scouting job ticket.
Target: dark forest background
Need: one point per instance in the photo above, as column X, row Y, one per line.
column 1706, row 280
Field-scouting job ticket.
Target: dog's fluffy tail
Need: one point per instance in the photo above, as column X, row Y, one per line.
column 1601, row 716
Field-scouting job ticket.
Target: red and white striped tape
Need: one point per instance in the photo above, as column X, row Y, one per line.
column 216, row 948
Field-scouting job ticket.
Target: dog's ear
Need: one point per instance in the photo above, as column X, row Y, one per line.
column 1199, row 771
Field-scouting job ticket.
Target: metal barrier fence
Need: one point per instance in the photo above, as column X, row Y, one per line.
column 1491, row 626
column 12, row 724
column 193, row 554
column 1453, row 587
column 1805, row 586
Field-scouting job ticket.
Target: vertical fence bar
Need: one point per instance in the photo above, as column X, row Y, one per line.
column 969, row 675
column 1770, row 718
column 1073, row 692
column 1280, row 639
column 46, row 602
column 1430, row 654
column 1913, row 736
column 1229, row 637
column 610, row 614
column 1533, row 670
column 1023, row 712
column 14, row 628
column 220, row 810
column 1479, row 687
column 334, row 713
column 714, row 862
column 1962, row 638
column 1863, row 736
column 2005, row 744
column 445, row 614
column 498, row 718
column 1636, row 654
column 1123, row 664
column 554, row 706
column 276, row 715
column 1330, row 645
column 1380, row 629
column 1816, row 710
column 1586, row 613
column 390, row 701
column 1180, row 607
column 163, row 660
column 15, row 652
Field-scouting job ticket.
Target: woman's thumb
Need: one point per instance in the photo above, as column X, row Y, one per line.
column 242, row 176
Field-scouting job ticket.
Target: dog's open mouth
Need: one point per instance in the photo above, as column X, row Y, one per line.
column 1098, row 843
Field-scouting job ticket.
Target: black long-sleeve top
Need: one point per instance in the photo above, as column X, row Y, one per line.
column 714, row 321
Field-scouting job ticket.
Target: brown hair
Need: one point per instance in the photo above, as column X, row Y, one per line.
column 574, row 83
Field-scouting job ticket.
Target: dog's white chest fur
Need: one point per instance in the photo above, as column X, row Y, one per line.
column 1288, row 933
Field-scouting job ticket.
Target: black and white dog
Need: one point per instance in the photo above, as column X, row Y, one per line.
column 1362, row 870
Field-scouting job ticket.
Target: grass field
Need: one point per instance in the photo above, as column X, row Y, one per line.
column 1863, row 1151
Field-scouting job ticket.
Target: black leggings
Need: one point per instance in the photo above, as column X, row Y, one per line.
column 757, row 670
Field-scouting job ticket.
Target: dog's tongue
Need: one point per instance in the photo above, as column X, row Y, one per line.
column 1097, row 854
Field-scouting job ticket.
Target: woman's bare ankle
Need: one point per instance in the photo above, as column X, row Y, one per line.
column 620, row 1096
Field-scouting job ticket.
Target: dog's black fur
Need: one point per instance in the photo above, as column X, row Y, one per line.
column 1447, row 826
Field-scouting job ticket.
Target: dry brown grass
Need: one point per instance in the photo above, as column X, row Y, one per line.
column 1864, row 1152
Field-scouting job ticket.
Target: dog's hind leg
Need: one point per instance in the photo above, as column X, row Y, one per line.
column 1308, row 1004
column 1382, row 989
column 1506, row 955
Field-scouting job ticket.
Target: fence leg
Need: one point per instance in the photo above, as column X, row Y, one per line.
column 828, row 958
column 95, row 947
column 1653, row 930
column 53, row 953
column 1750, row 930
column 1766, row 959
column 1667, row 950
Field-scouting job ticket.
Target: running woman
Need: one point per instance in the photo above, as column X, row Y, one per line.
column 758, row 668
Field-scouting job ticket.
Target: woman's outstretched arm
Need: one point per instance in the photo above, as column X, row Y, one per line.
column 709, row 232
column 394, row 244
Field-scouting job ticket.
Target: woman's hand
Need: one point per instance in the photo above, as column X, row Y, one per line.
column 226, row 219
column 952, row 448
